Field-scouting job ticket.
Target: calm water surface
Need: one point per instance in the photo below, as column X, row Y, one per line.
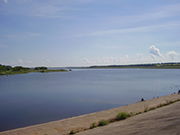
column 34, row 98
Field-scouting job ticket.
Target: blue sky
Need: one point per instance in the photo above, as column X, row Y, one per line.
column 88, row 32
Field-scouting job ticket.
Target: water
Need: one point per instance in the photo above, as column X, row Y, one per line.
column 34, row 98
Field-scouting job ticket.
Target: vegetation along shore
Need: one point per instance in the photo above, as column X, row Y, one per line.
column 8, row 70
column 171, row 65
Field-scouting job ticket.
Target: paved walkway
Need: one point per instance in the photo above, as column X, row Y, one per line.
column 81, row 122
column 162, row 121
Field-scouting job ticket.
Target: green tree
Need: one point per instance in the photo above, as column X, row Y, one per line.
column 5, row 68
column 19, row 68
column 41, row 68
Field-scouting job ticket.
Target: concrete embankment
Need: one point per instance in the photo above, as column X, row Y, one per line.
column 83, row 122
column 162, row 121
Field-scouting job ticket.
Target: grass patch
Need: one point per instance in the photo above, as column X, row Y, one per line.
column 122, row 116
column 146, row 109
column 72, row 132
column 103, row 123
column 160, row 105
column 132, row 113
column 165, row 104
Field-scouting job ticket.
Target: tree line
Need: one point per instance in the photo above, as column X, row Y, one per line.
column 153, row 65
column 4, row 68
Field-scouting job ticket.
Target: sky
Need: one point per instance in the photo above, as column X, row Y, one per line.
column 63, row 33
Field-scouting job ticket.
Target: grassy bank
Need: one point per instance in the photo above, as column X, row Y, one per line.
column 31, row 70
column 8, row 70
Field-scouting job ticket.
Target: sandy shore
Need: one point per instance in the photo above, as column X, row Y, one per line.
column 83, row 122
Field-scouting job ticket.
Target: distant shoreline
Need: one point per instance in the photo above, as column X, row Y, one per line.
column 8, row 70
column 148, row 66
column 170, row 65
column 32, row 71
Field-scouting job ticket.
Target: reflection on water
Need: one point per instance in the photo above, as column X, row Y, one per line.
column 34, row 98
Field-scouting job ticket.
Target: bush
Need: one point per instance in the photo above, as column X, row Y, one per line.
column 93, row 125
column 19, row 68
column 72, row 132
column 103, row 122
column 5, row 68
column 146, row 110
column 122, row 116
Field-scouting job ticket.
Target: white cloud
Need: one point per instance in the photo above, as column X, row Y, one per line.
column 20, row 61
column 137, row 59
column 154, row 51
column 127, row 56
column 98, row 61
column 87, row 61
column 172, row 54
column 47, row 60
column 139, row 56
column 108, row 60
column 122, row 31
column 156, row 13
column 149, row 28
column 115, row 60
column 104, row 60
column 23, row 35
column 48, row 11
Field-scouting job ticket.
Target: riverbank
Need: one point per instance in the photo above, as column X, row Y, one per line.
column 161, row 121
column 84, row 122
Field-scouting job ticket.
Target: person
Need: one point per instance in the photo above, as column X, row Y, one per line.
column 142, row 99
column 178, row 91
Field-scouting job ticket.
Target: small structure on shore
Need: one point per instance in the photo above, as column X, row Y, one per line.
column 142, row 99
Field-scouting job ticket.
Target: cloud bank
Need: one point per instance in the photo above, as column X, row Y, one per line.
column 155, row 56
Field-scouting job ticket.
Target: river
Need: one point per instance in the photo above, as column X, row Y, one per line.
column 34, row 98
